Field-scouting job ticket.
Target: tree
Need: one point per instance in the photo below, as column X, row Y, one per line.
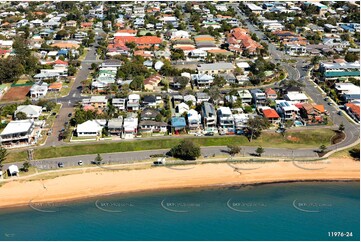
column 322, row 148
column 214, row 93
column 137, row 83
column 341, row 128
column 352, row 57
column 94, row 66
column 355, row 153
column 62, row 34
column 256, row 125
column 26, row 166
column 47, row 104
column 21, row 116
column 98, row 159
column 182, row 80
column 259, row 151
column 186, row 150
column 233, row 149
column 3, row 154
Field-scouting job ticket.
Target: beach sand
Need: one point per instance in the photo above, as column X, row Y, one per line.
column 105, row 182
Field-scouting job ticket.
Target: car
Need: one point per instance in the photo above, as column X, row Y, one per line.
column 80, row 163
column 209, row 134
column 53, row 114
column 329, row 103
column 66, row 123
column 60, row 164
column 62, row 130
column 70, row 114
column 339, row 112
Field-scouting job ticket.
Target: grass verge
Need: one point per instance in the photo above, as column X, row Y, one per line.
column 292, row 140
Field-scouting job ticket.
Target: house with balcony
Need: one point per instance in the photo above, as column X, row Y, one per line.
column 271, row 115
column 209, row 117
column 19, row 133
column 245, row 96
column 119, row 103
column 194, row 121
column 130, row 128
column 225, row 120
column 98, row 102
column 258, row 97
column 133, row 103
column 348, row 92
column 202, row 80
column 296, row 98
column 115, row 126
column 271, row 94
column 153, row 127
column 178, row 124
column 181, row 108
column 39, row 90
column 286, row 110
column 202, row 97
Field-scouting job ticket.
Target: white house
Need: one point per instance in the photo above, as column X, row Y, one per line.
column 133, row 102
column 194, row 121
column 31, row 111
column 39, row 90
column 13, row 170
column 119, row 103
column 181, row 108
column 130, row 128
column 20, row 132
column 89, row 128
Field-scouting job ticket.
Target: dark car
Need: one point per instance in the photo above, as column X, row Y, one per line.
column 209, row 134
column 69, row 114
column 60, row 164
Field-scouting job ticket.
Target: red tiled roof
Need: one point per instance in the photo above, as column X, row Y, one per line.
column 270, row 91
column 270, row 113
column 354, row 109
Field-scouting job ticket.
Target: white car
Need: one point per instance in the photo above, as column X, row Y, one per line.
column 80, row 163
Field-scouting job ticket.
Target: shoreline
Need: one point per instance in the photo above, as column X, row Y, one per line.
column 183, row 189
column 90, row 185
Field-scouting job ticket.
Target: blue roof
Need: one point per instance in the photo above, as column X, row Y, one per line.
column 63, row 52
column 178, row 122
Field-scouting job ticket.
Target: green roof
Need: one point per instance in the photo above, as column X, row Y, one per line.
column 341, row 73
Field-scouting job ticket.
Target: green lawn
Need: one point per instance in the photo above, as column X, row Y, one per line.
column 301, row 139
column 344, row 153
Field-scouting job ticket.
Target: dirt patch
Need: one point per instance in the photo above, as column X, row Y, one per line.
column 292, row 138
column 16, row 94
column 338, row 137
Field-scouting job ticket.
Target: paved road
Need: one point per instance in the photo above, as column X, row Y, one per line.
column 130, row 157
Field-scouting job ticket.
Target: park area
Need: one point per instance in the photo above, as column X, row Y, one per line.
column 16, row 94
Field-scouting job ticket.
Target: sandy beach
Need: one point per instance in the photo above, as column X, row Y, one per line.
column 105, row 182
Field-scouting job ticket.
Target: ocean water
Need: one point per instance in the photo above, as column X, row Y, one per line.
column 293, row 211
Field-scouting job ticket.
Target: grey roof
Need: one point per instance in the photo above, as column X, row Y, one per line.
column 115, row 123
column 215, row 66
column 208, row 109
column 151, row 122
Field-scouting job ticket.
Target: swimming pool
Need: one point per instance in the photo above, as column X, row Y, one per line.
column 298, row 123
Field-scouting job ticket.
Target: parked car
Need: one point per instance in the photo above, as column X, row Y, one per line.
column 339, row 112
column 60, row 164
column 209, row 134
column 80, row 163
column 69, row 114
